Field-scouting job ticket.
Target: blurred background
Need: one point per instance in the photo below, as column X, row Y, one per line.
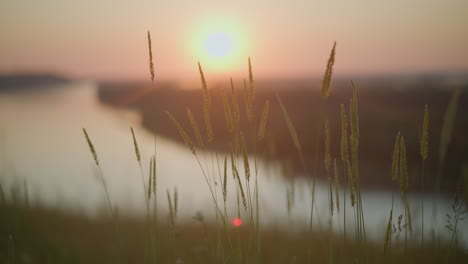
column 68, row 65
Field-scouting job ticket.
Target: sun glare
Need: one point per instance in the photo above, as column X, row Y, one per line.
column 219, row 45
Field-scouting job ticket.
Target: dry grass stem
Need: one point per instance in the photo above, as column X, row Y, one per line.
column 351, row 184
column 354, row 138
column 236, row 175
column 388, row 233
column 150, row 179
column 171, row 209
column 465, row 181
column 227, row 113
column 248, row 102
column 195, row 128
column 176, row 202
column 289, row 124
column 425, row 134
column 354, row 118
column 184, row 135
column 153, row 174
column 330, row 193
column 403, row 167
column 396, row 158
column 236, row 116
column 337, row 186
column 235, row 104
column 252, row 88
column 344, row 135
column 263, row 122
column 447, row 127
column 327, row 159
column 225, row 180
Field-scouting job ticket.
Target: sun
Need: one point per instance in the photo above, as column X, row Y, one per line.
column 218, row 44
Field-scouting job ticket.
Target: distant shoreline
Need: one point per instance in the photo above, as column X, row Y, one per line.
column 389, row 108
column 24, row 80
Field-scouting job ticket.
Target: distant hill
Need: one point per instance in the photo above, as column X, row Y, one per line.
column 21, row 80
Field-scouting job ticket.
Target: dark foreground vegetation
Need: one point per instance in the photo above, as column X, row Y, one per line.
column 33, row 234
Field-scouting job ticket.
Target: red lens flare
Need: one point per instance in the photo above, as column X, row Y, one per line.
column 236, row 222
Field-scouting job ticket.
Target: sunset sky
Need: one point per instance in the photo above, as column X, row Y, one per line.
column 285, row 38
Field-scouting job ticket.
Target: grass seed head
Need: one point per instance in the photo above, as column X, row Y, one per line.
column 91, row 147
column 246, row 158
column 135, row 144
column 206, row 105
column 328, row 74
column 151, row 65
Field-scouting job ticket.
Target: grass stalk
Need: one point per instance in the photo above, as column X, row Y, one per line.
column 424, row 148
column 100, row 176
column 445, row 139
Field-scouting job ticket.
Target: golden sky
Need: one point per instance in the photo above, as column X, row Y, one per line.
column 285, row 38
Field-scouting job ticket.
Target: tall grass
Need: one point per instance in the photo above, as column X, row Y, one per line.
column 424, row 149
column 247, row 245
column 395, row 172
column 103, row 182
column 150, row 55
column 445, row 139
column 239, row 157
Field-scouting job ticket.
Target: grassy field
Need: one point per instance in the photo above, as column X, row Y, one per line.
column 30, row 233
